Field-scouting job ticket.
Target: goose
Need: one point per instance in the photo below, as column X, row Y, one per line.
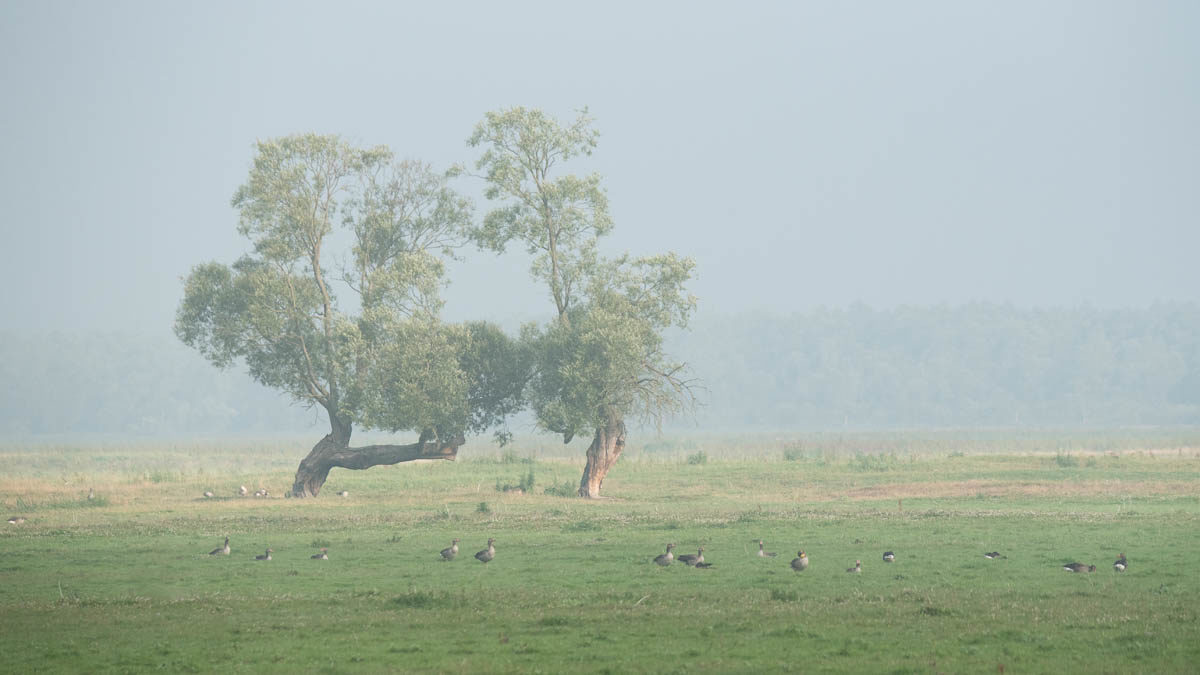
column 993, row 555
column 488, row 553
column 702, row 565
column 265, row 556
column 208, row 494
column 800, row 563
column 242, row 492
column 666, row 558
column 857, row 567
column 319, row 556
column 1079, row 567
column 451, row 551
column 221, row 550
column 762, row 553
column 91, row 494
column 889, row 557
column 344, row 493
column 690, row 560
column 1120, row 564
column 262, row 493
column 16, row 520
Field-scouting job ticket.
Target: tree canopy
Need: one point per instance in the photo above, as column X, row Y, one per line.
column 382, row 359
column 601, row 359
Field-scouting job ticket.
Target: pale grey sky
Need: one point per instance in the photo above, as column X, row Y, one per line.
column 806, row 154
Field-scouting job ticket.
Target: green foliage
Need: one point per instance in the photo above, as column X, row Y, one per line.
column 563, row 489
column 483, row 507
column 394, row 366
column 865, row 461
column 602, row 358
column 524, row 484
column 698, row 458
column 1066, row 460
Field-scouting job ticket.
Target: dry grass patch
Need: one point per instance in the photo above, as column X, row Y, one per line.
column 994, row 488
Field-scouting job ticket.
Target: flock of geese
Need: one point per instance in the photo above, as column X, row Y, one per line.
column 447, row 553
column 799, row 563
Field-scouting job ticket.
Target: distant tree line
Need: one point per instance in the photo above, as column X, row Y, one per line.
column 976, row 365
column 967, row 366
column 130, row 383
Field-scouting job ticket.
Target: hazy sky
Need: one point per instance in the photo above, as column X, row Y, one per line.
column 806, row 154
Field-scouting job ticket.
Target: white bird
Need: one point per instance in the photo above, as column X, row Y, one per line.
column 208, row 494
column 242, row 491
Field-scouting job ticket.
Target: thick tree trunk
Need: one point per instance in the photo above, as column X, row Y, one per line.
column 602, row 454
column 334, row 451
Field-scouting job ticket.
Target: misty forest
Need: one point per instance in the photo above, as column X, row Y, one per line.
column 858, row 369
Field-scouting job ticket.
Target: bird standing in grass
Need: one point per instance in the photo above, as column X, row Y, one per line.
column 993, row 555
column 691, row 560
column 242, row 491
column 208, row 494
column 800, row 562
column 449, row 552
column 16, row 520
column 889, row 557
column 488, row 553
column 1120, row 564
column 323, row 555
column 857, row 567
column 265, row 556
column 221, row 550
column 666, row 558
column 1079, row 567
column 762, row 553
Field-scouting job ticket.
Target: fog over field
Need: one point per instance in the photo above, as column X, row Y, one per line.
column 902, row 215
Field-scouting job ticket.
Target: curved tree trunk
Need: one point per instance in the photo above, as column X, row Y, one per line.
column 602, row 454
column 334, row 451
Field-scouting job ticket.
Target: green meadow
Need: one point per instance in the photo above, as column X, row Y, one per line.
column 123, row 582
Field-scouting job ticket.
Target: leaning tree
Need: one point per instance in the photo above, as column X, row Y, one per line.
column 601, row 359
column 384, row 360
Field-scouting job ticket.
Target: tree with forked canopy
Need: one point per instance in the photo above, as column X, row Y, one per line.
column 601, row 359
column 386, row 361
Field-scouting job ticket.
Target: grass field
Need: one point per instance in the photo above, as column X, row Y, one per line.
column 123, row 582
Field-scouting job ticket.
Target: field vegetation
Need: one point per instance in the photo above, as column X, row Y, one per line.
column 123, row 581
